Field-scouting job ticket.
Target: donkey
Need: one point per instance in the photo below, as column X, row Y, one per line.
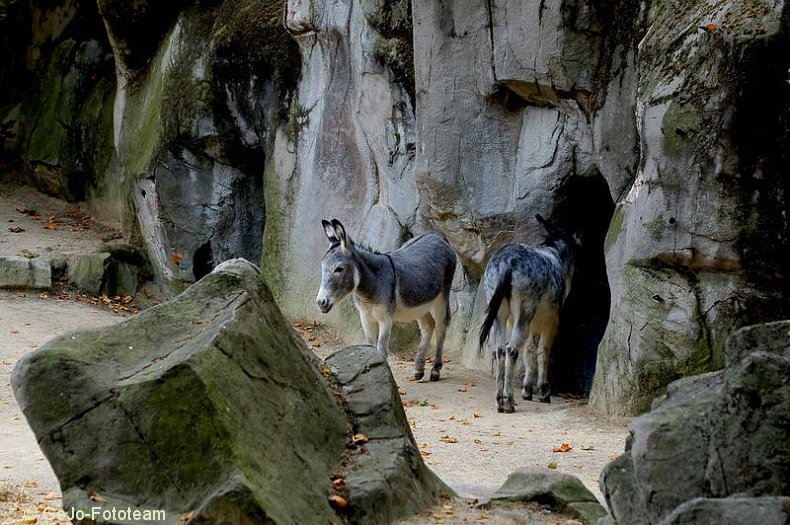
column 410, row 283
column 525, row 288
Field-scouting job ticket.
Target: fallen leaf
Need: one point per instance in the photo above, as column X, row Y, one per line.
column 186, row 516
column 478, row 442
column 31, row 484
column 711, row 27
column 462, row 389
column 565, row 447
column 614, row 455
column 497, row 433
column 339, row 484
column 28, row 520
column 552, row 465
column 469, row 383
column 450, row 417
column 476, row 415
column 425, row 453
column 359, row 439
column 95, row 496
column 16, row 229
column 588, row 447
column 338, row 502
column 49, row 496
column 402, row 391
column 448, row 439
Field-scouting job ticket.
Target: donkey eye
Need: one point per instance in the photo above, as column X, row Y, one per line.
column 339, row 269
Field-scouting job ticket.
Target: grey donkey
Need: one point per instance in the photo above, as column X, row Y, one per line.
column 408, row 284
column 525, row 288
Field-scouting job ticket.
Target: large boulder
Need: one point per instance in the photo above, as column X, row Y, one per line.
column 713, row 436
column 210, row 408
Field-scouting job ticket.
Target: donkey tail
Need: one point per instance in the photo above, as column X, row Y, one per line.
column 503, row 289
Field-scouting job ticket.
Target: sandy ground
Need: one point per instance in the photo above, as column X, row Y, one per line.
column 462, row 437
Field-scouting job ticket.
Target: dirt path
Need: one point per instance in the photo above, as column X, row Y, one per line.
column 473, row 448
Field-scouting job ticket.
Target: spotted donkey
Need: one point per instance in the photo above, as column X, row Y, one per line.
column 526, row 287
column 410, row 283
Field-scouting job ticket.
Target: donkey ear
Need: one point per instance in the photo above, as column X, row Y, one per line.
column 329, row 229
column 340, row 231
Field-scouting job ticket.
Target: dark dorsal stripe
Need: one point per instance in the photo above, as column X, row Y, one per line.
column 394, row 281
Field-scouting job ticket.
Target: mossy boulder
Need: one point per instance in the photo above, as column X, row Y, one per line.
column 717, row 435
column 210, row 408
column 560, row 491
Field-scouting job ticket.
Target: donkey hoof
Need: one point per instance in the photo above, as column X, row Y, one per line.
column 434, row 374
column 509, row 406
column 526, row 393
column 544, row 393
column 419, row 375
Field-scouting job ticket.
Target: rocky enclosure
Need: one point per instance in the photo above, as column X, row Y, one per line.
column 656, row 129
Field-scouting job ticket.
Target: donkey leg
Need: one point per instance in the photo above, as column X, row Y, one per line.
column 544, row 352
column 498, row 356
column 370, row 326
column 516, row 342
column 385, row 329
column 440, row 311
column 530, row 367
column 426, row 331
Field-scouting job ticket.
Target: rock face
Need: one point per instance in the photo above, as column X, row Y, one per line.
column 714, row 436
column 200, row 89
column 214, row 390
column 57, row 83
column 348, row 151
column 697, row 247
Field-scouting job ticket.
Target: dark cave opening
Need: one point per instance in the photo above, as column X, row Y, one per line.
column 203, row 261
column 585, row 208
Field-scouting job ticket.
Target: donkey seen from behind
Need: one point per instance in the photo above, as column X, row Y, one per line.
column 410, row 283
column 525, row 288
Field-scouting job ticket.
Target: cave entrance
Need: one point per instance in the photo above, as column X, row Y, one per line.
column 585, row 207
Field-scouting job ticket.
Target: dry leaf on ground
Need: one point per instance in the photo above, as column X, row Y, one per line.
column 565, row 447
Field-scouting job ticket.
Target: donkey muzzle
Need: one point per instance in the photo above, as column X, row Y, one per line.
column 324, row 304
